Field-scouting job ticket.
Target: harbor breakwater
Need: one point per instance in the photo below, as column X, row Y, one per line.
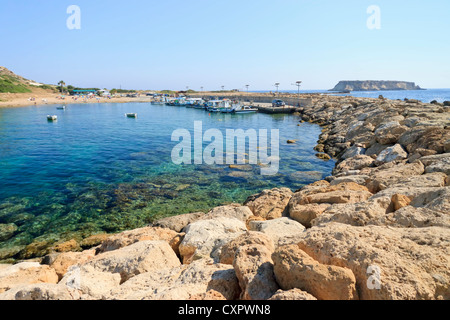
column 377, row 229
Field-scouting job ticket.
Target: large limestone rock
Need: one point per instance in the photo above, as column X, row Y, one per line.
column 143, row 234
column 392, row 154
column 229, row 250
column 178, row 223
column 254, row 269
column 270, row 204
column 355, row 163
column 437, row 163
column 426, row 137
column 411, row 217
column 381, row 179
column 141, row 257
column 293, row 268
column 390, row 132
column 356, row 214
column 205, row 238
column 40, row 292
column 26, row 273
column 311, row 202
column 90, row 283
column 234, row 211
column 282, row 231
column 293, row 294
column 412, row 263
column 181, row 283
column 62, row 262
column 307, row 213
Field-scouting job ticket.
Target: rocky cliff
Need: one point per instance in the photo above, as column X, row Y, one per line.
column 374, row 86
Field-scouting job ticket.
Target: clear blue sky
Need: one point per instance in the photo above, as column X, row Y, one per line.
column 172, row 44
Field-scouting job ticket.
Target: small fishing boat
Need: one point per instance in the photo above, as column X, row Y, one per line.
column 52, row 118
column 61, row 108
column 218, row 105
column 245, row 109
column 131, row 115
column 230, row 108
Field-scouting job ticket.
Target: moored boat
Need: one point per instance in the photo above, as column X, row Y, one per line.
column 52, row 118
column 131, row 115
column 245, row 109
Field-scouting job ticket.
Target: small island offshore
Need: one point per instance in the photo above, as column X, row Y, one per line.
column 371, row 85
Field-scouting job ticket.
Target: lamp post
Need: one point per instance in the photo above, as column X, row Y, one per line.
column 298, row 84
column 247, row 86
column 277, row 85
column 223, row 88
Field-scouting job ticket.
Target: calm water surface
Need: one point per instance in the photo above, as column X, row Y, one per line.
column 94, row 170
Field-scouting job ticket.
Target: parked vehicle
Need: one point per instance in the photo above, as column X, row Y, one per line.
column 278, row 103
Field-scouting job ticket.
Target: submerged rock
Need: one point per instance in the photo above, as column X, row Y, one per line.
column 7, row 231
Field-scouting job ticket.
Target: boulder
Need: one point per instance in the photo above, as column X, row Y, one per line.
column 294, row 268
column 234, row 211
column 355, row 214
column 40, row 292
column 180, row 283
column 382, row 179
column 437, row 163
column 178, row 223
column 205, row 238
column 254, row 269
column 127, row 238
column 425, row 137
column 282, row 231
column 400, row 201
column 358, row 179
column 94, row 240
column 306, row 213
column 392, row 154
column 26, row 273
column 388, row 263
column 412, row 217
column 228, row 251
column 355, row 163
column 376, row 149
column 353, row 152
column 62, row 262
column 293, row 294
column 270, row 204
column 390, row 132
column 359, row 129
column 67, row 246
column 347, row 192
column 140, row 257
column 90, row 283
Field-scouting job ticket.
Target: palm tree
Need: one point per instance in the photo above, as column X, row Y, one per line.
column 62, row 84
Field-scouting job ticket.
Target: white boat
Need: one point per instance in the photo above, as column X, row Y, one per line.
column 131, row 115
column 192, row 102
column 231, row 107
column 245, row 109
column 218, row 105
column 52, row 118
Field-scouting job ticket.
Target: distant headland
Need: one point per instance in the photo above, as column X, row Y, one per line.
column 372, row 85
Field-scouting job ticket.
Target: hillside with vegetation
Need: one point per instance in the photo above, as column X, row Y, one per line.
column 12, row 83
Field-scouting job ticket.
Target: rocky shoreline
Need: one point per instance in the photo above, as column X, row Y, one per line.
column 378, row 228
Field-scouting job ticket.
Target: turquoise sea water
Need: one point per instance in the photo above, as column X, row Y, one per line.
column 94, row 170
